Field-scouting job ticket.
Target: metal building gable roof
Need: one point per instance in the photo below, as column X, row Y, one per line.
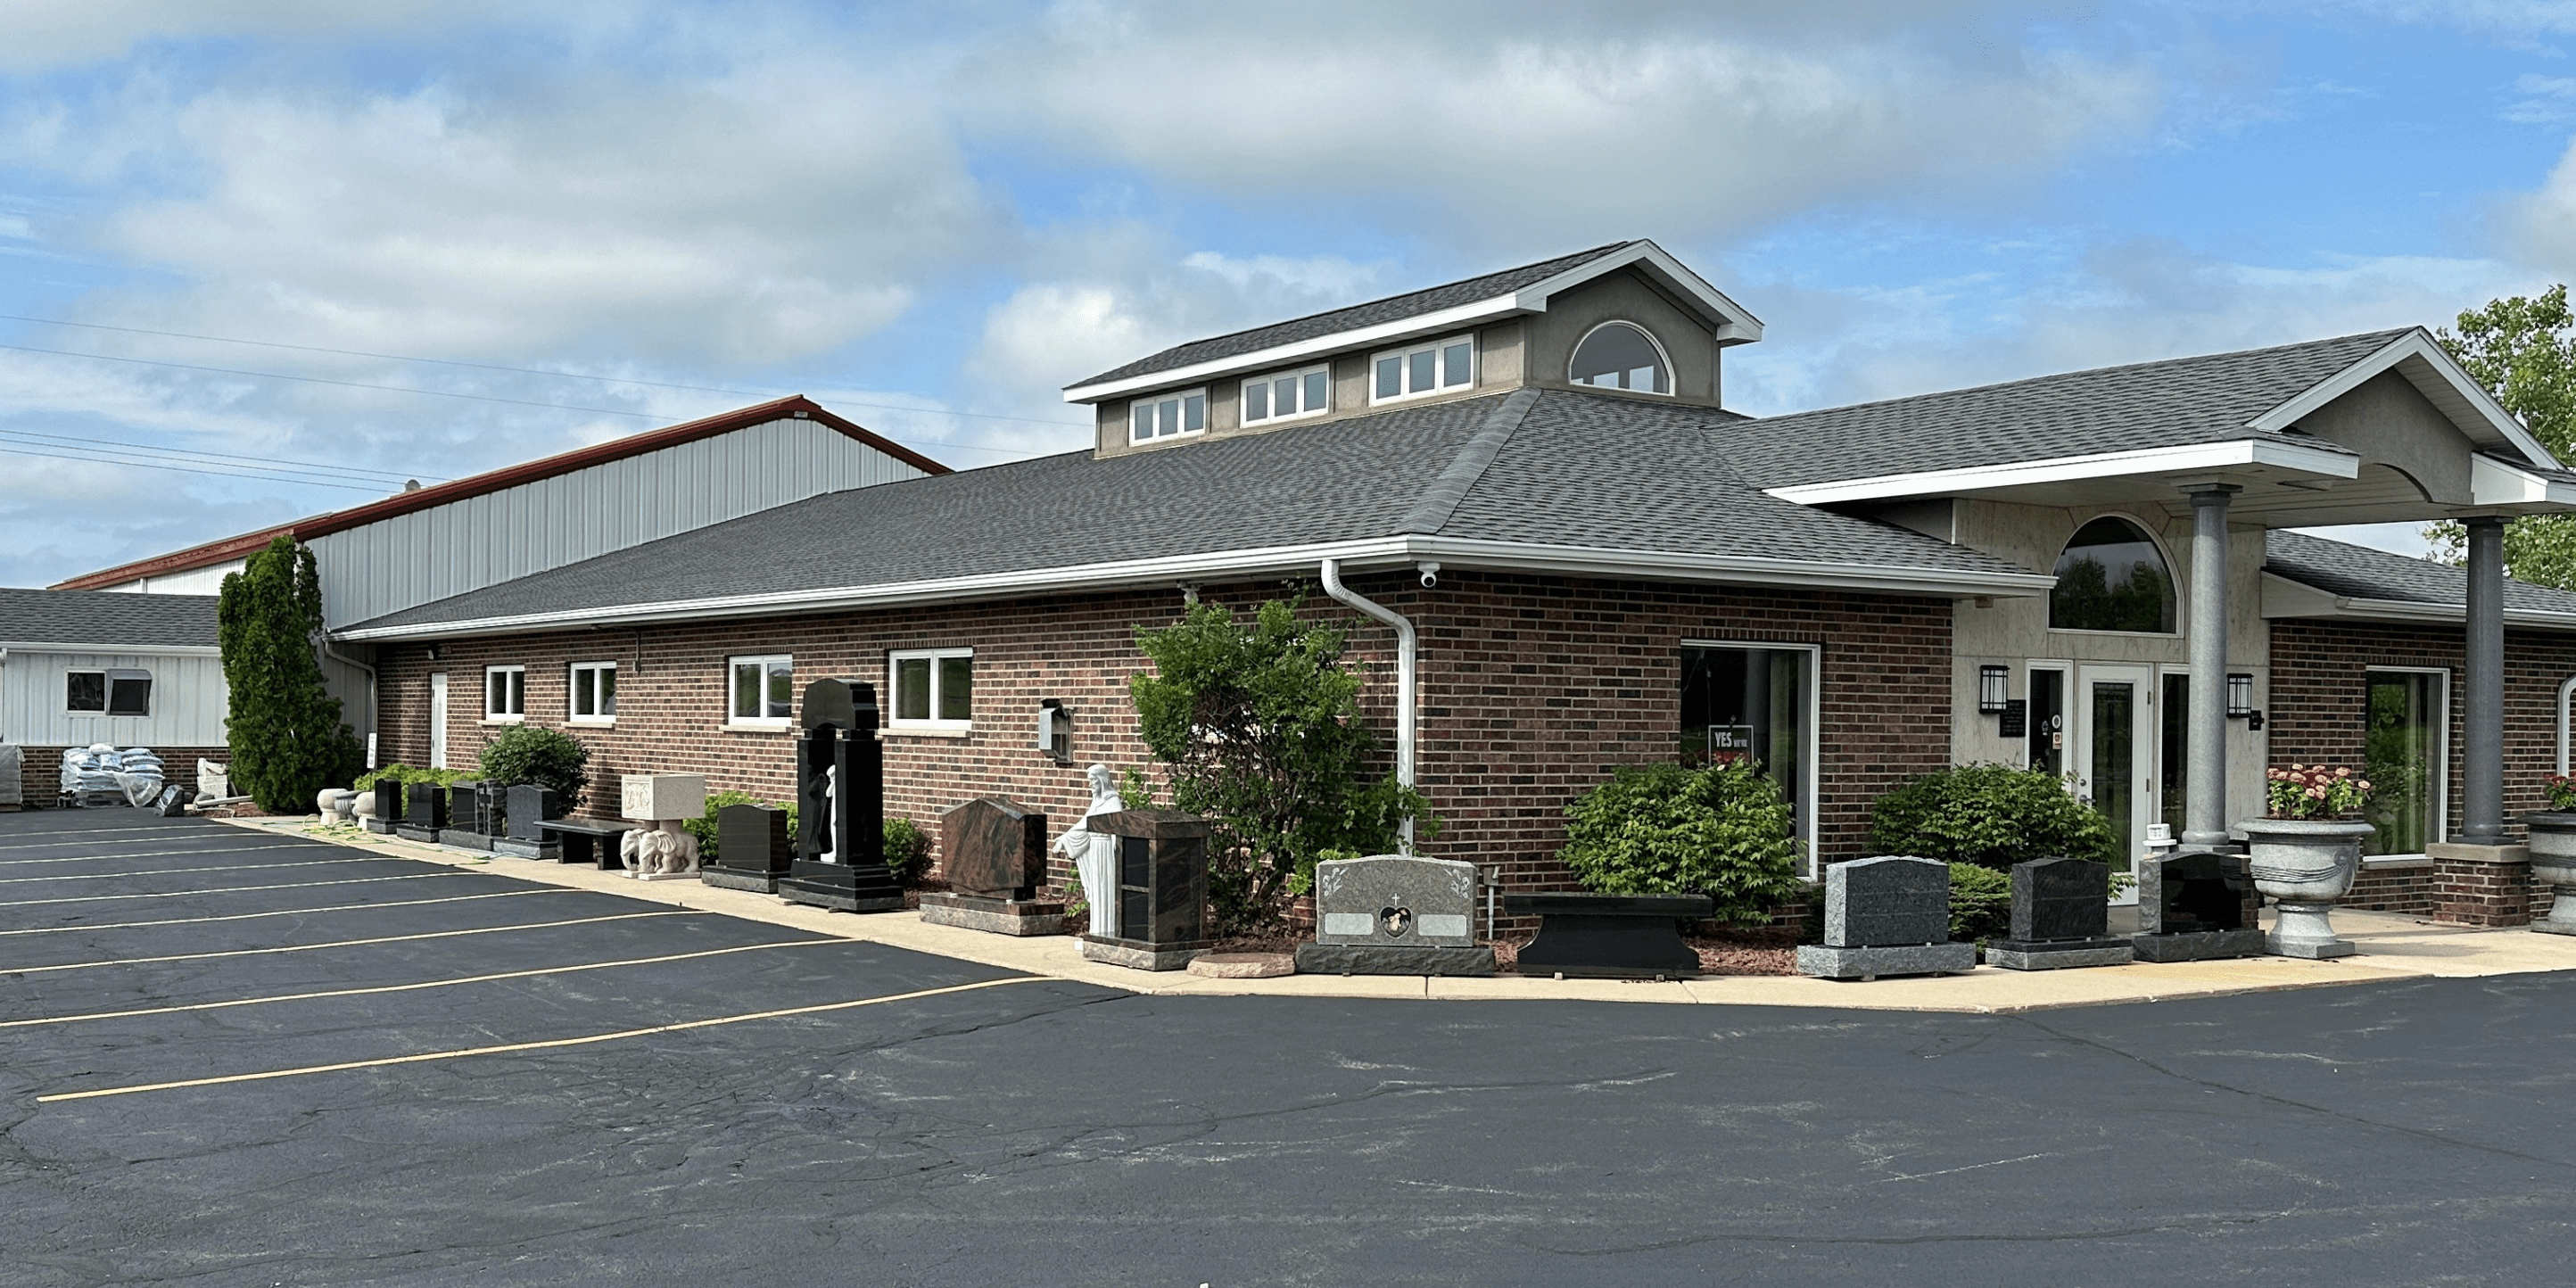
column 105, row 619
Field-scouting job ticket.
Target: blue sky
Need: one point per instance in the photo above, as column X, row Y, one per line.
column 931, row 217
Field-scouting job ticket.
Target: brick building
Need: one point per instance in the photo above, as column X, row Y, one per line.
column 1562, row 553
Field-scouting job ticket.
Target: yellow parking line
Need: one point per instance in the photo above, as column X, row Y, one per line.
column 552, row 1044
column 163, row 872
column 348, row 943
column 170, row 894
column 152, row 854
column 407, row 988
column 283, row 912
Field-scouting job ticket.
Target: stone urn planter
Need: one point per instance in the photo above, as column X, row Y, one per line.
column 2553, row 864
column 2305, row 865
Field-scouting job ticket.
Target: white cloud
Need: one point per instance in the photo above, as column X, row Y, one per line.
column 49, row 34
column 2539, row 227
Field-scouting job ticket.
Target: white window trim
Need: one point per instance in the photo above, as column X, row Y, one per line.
column 1168, row 395
column 1475, row 361
column 1662, row 355
column 894, row 694
column 572, row 695
column 2441, row 784
column 761, row 660
column 520, row 716
column 1812, row 760
column 107, row 693
column 2566, row 690
column 1243, row 396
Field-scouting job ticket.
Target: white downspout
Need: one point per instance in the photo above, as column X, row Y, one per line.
column 1405, row 641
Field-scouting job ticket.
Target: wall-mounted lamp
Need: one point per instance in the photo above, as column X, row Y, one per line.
column 1055, row 731
column 2240, row 700
column 1994, row 688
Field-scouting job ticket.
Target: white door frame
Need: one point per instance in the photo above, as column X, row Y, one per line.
column 2143, row 725
column 438, row 719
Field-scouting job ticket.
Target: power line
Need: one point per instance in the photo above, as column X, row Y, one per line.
column 263, row 461
column 181, row 469
column 524, row 371
column 272, row 473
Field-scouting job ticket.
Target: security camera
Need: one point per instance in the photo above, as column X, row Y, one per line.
column 1430, row 574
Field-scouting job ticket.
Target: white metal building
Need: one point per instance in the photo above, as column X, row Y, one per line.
column 78, row 668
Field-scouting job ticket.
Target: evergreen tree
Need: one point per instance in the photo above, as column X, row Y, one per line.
column 283, row 725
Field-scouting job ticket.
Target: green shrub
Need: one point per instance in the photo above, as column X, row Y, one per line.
column 1722, row 830
column 402, row 773
column 530, row 756
column 907, row 849
column 703, row 826
column 1991, row 815
column 1980, row 902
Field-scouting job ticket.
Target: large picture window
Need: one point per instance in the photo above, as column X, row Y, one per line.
column 1756, row 702
column 763, row 690
column 2112, row 578
column 933, row 688
column 2405, row 755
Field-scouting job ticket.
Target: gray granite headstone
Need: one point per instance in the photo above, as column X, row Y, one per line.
column 2060, row 899
column 1393, row 899
column 530, row 805
column 1896, row 899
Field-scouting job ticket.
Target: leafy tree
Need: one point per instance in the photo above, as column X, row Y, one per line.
column 1721, row 830
column 1257, row 725
column 1994, row 815
column 283, row 726
column 2523, row 350
column 548, row 758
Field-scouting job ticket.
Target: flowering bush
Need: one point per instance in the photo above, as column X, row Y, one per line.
column 2562, row 791
column 2315, row 791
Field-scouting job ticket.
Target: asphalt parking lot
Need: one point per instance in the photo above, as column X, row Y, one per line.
column 235, row 1058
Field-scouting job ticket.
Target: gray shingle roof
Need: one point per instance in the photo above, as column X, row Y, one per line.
column 105, row 618
column 2359, row 572
column 1394, row 308
column 1563, row 467
column 2149, row 404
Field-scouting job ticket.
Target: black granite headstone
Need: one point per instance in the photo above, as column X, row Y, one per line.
column 2060, row 899
column 465, row 806
column 840, row 781
column 2195, row 892
column 530, row 805
column 753, row 839
column 426, row 806
column 1887, row 901
column 390, row 796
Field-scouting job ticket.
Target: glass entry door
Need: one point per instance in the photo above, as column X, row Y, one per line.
column 2113, row 756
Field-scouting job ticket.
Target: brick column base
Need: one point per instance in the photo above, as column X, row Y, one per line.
column 2481, row 885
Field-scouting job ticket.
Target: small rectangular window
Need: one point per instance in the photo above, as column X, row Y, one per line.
column 1294, row 393
column 129, row 693
column 1165, row 415
column 505, row 692
column 85, row 691
column 933, row 688
column 594, row 691
column 762, row 690
column 1424, row 369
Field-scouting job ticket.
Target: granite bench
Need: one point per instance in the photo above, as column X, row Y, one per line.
column 587, row 840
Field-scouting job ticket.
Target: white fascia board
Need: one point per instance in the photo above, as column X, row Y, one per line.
column 2500, row 483
column 2283, row 597
column 2195, row 458
column 1280, row 355
column 121, row 650
column 2414, row 344
column 1734, row 323
column 1373, row 553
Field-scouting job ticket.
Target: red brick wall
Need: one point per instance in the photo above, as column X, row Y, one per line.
column 1532, row 689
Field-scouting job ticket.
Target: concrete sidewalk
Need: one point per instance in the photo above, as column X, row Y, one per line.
column 2392, row 948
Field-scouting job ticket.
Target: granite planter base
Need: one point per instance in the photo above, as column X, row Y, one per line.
column 377, row 826
column 424, row 835
column 2553, row 864
column 464, row 840
column 1136, row 954
column 1609, row 936
column 1416, row 959
column 527, row 849
column 2304, row 865
column 1826, row 962
column 993, row 916
column 731, row 879
column 2199, row 945
column 2058, row 954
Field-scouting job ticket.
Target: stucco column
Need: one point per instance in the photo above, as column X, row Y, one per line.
column 2205, row 794
column 2483, row 768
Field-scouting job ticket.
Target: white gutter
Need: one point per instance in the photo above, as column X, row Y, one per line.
column 1405, row 677
column 118, row 650
column 2197, row 458
column 1375, row 552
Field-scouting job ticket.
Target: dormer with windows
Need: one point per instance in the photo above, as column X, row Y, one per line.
column 1625, row 321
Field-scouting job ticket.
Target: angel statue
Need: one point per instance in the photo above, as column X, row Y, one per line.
column 1095, row 855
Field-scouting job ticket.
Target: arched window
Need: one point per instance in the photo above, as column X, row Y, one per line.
column 1620, row 355
column 2112, row 578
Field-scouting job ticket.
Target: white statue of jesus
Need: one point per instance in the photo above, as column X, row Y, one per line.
column 1095, row 855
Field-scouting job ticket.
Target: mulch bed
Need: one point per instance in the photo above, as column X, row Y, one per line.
column 1727, row 952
